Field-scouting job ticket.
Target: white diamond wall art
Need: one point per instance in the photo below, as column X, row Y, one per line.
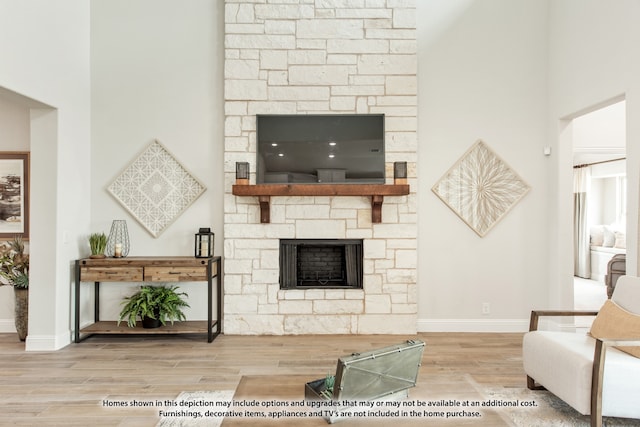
column 155, row 188
column 480, row 188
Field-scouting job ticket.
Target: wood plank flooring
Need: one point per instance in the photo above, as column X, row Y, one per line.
column 78, row 385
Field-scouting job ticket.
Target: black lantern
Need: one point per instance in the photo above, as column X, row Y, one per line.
column 400, row 172
column 242, row 173
column 204, row 243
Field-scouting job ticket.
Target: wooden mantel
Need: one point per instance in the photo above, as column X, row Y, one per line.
column 375, row 191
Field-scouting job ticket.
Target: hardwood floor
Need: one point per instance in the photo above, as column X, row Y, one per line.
column 78, row 385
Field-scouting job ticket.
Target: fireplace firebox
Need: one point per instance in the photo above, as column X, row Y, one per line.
column 321, row 263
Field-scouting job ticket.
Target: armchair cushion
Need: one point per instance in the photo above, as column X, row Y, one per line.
column 614, row 322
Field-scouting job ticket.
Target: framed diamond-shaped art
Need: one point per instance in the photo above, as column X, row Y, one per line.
column 155, row 188
column 480, row 188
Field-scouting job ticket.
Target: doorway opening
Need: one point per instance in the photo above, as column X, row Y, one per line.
column 599, row 200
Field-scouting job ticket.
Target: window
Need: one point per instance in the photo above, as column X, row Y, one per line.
column 621, row 200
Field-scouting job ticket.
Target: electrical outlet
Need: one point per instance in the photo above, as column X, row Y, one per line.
column 486, row 308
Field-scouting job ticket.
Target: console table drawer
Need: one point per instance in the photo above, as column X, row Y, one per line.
column 175, row 274
column 111, row 274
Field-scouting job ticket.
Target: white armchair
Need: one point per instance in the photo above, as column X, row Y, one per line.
column 588, row 373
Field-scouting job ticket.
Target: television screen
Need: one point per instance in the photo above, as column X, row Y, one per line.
column 305, row 149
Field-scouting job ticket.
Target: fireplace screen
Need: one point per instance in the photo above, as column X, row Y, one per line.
column 320, row 263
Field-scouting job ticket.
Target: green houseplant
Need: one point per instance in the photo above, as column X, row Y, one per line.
column 98, row 244
column 14, row 271
column 154, row 305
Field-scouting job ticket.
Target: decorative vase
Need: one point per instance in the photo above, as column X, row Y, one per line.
column 118, row 241
column 21, row 312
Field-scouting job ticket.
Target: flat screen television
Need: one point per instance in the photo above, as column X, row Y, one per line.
column 322, row 149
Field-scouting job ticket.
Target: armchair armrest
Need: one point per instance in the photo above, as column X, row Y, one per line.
column 533, row 326
column 597, row 376
column 620, row 342
column 536, row 314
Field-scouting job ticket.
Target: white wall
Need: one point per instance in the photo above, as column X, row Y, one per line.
column 483, row 70
column 14, row 126
column 602, row 128
column 482, row 75
column 45, row 58
column 594, row 61
column 156, row 73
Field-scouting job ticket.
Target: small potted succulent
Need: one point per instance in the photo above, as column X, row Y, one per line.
column 329, row 382
column 154, row 305
column 98, row 244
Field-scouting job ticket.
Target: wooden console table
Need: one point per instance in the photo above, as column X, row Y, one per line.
column 149, row 269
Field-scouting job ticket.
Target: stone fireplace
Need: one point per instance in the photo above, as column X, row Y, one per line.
column 320, row 57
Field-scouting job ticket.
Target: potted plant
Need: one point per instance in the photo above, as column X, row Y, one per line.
column 98, row 244
column 154, row 305
column 14, row 271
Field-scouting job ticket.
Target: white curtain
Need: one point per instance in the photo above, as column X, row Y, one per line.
column 581, row 255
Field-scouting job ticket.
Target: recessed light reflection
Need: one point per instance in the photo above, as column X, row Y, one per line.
column 331, row 156
column 280, row 154
column 332, row 143
column 274, row 144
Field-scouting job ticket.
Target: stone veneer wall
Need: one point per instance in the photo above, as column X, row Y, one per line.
column 329, row 57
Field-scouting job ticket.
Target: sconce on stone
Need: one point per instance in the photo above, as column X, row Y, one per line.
column 242, row 173
column 400, row 173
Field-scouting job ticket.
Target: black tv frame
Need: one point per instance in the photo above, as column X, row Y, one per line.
column 359, row 138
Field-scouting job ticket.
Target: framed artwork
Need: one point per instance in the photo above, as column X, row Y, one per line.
column 14, row 194
column 155, row 188
column 480, row 188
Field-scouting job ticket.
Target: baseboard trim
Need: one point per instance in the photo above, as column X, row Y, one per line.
column 473, row 325
column 37, row 342
column 7, row 326
column 46, row 342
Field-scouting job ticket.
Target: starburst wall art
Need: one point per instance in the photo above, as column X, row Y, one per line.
column 480, row 188
column 155, row 188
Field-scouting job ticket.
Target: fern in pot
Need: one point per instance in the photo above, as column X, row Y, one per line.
column 154, row 305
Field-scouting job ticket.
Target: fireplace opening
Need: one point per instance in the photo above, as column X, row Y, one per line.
column 321, row 263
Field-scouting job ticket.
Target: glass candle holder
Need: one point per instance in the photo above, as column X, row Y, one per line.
column 118, row 242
